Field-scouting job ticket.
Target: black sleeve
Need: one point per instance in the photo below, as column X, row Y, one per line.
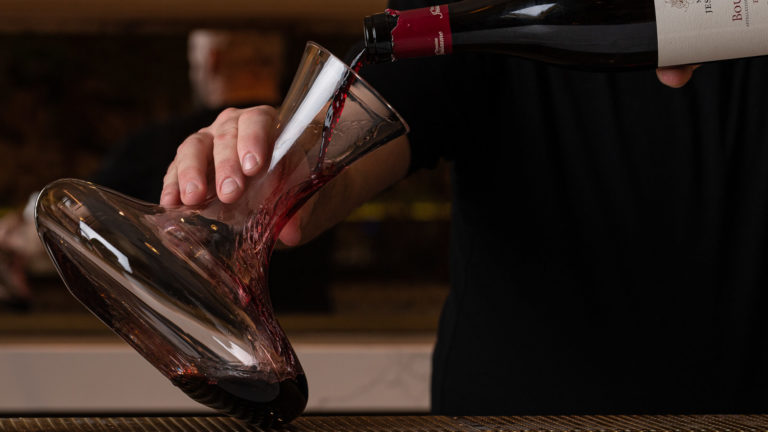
column 419, row 91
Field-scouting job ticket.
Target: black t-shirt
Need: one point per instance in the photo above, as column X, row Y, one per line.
column 609, row 234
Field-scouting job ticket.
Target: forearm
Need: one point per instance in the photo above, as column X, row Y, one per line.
column 360, row 182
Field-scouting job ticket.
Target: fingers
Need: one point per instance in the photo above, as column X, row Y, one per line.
column 242, row 142
column 254, row 138
column 170, row 195
column 229, row 174
column 192, row 160
column 238, row 144
column 677, row 76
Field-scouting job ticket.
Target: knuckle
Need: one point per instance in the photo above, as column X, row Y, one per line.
column 170, row 177
column 182, row 147
column 227, row 114
column 226, row 135
column 259, row 113
column 193, row 141
column 267, row 110
column 186, row 174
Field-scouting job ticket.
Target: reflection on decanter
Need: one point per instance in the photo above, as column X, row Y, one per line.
column 186, row 286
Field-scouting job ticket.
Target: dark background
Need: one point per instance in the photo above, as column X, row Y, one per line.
column 67, row 100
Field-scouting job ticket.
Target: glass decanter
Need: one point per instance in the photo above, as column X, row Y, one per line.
column 186, row 286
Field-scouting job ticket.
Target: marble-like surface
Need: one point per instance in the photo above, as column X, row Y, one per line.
column 345, row 375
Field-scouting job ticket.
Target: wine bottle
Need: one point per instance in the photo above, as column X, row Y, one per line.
column 602, row 34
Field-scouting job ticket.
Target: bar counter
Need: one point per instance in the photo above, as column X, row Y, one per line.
column 697, row 423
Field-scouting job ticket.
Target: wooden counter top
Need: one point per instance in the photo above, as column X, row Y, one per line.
column 399, row 423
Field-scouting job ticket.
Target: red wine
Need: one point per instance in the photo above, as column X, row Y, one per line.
column 236, row 393
column 594, row 34
column 337, row 106
column 257, row 402
column 268, row 395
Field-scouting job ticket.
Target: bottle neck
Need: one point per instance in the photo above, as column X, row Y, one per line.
column 396, row 34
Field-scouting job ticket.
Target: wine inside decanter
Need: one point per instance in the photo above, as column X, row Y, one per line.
column 187, row 286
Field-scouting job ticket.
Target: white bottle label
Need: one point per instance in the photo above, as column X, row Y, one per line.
column 693, row 31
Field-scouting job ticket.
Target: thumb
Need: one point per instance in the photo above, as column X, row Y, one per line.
column 677, row 76
column 291, row 234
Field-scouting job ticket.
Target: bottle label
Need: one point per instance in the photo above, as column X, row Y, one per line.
column 422, row 32
column 693, row 31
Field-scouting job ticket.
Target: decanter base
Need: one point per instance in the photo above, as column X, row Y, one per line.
column 255, row 402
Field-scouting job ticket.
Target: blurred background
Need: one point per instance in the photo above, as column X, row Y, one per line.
column 106, row 91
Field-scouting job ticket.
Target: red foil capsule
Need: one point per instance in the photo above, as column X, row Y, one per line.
column 421, row 32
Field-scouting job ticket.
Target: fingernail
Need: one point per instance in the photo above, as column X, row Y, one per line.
column 249, row 162
column 228, row 186
column 191, row 188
